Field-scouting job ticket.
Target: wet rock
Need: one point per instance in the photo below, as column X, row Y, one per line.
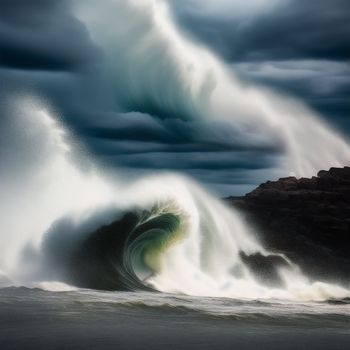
column 306, row 219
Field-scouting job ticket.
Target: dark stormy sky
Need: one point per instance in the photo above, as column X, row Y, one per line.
column 295, row 47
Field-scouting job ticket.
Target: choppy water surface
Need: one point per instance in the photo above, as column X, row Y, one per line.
column 33, row 318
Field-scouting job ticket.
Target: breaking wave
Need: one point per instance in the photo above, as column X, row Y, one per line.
column 64, row 221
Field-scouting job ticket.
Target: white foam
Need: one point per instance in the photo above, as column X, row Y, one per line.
column 203, row 262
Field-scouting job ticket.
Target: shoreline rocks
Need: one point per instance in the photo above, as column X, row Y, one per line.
column 306, row 219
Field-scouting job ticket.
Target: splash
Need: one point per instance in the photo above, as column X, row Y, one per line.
column 39, row 183
column 155, row 68
column 165, row 232
column 67, row 227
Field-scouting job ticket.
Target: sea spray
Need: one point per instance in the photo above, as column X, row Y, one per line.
column 155, row 68
column 161, row 233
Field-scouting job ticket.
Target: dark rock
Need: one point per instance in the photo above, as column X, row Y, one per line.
column 306, row 219
column 265, row 268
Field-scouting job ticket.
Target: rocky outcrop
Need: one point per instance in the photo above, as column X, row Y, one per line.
column 306, row 219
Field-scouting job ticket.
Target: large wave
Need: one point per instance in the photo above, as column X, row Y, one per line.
column 66, row 222
column 63, row 220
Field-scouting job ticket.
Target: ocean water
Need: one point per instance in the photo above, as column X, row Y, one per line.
column 87, row 319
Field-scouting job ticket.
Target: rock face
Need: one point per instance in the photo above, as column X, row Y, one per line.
column 306, row 219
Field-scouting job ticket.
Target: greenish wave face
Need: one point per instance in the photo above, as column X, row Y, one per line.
column 202, row 249
column 157, row 231
column 121, row 255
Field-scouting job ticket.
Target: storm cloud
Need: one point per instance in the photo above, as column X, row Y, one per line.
column 292, row 46
column 284, row 30
column 42, row 35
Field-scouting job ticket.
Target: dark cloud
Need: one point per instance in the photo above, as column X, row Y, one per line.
column 191, row 160
column 322, row 84
column 175, row 134
column 46, row 51
column 302, row 29
column 42, row 35
column 208, row 151
column 297, row 47
column 296, row 29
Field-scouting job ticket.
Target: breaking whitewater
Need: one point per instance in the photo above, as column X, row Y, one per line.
column 81, row 228
column 89, row 261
